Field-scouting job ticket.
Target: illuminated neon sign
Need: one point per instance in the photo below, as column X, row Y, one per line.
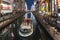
column 5, row 7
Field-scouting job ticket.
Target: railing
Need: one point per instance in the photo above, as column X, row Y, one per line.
column 10, row 25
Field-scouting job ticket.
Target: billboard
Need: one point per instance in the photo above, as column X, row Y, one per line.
column 6, row 8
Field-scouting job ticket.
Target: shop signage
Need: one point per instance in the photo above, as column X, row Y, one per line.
column 58, row 3
column 6, row 8
column 9, row 1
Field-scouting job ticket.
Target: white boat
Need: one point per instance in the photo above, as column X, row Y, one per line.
column 26, row 29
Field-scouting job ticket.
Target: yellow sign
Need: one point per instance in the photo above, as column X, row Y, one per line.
column 42, row 6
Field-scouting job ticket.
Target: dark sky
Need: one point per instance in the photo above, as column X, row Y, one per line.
column 29, row 3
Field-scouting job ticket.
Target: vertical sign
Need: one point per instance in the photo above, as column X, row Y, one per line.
column 53, row 2
column 56, row 6
column 42, row 6
column 59, row 4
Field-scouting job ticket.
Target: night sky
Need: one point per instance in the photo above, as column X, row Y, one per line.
column 29, row 3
